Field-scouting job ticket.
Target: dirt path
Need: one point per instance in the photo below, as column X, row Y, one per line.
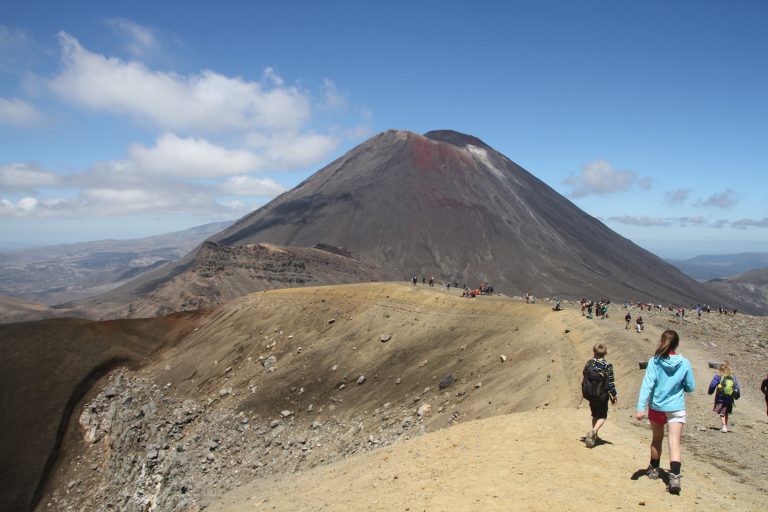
column 527, row 461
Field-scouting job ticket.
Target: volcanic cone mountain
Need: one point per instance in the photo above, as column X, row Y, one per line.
column 400, row 205
column 447, row 205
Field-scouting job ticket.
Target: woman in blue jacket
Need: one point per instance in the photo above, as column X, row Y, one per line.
column 667, row 377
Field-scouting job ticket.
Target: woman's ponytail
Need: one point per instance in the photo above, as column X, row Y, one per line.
column 669, row 342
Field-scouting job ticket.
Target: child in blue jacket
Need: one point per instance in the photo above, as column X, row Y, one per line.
column 667, row 377
column 725, row 387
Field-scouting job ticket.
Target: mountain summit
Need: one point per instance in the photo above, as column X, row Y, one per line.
column 446, row 204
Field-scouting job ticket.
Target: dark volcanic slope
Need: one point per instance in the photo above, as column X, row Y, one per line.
column 448, row 205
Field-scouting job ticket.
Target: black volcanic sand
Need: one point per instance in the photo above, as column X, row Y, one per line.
column 46, row 368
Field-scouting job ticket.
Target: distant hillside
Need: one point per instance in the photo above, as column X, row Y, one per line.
column 704, row 268
column 60, row 273
column 17, row 310
column 747, row 288
column 215, row 274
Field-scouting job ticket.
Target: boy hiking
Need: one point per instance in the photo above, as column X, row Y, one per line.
column 627, row 319
column 598, row 387
column 725, row 387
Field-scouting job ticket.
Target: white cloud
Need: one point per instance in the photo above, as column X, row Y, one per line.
column 24, row 207
column 695, row 221
column 139, row 40
column 250, row 186
column 18, row 112
column 153, row 198
column 721, row 200
column 27, row 204
column 213, row 133
column 677, row 197
column 291, row 150
column 332, row 98
column 271, row 76
column 124, row 188
column 756, row 223
column 684, row 222
column 640, row 221
column 207, row 101
column 193, row 158
column 26, row 177
column 600, row 177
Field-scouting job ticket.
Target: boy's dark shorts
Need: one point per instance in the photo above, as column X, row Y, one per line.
column 599, row 409
column 723, row 408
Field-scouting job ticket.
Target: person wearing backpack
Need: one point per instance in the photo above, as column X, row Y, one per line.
column 668, row 377
column 725, row 387
column 627, row 319
column 597, row 386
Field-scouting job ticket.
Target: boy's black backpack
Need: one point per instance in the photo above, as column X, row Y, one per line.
column 594, row 385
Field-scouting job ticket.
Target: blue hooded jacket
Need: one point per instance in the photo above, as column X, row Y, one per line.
column 665, row 381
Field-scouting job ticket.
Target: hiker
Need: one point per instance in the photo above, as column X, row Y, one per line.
column 627, row 319
column 431, row 281
column 667, row 377
column 639, row 323
column 598, row 387
column 725, row 387
column 414, row 280
column 764, row 389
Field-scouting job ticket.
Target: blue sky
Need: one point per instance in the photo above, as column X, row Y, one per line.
column 120, row 120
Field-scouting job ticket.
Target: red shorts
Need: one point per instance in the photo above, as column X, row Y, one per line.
column 664, row 417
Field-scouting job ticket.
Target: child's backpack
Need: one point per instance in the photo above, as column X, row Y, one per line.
column 594, row 385
column 728, row 385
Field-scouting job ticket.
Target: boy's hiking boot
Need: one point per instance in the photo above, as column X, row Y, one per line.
column 724, row 429
column 652, row 472
column 589, row 439
column 674, row 483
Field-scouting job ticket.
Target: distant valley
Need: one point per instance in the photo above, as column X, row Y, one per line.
column 707, row 267
column 62, row 273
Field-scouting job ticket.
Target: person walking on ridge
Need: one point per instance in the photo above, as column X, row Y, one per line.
column 725, row 387
column 668, row 377
column 598, row 387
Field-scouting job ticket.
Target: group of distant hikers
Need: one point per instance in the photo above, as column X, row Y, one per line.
column 600, row 308
column 668, row 376
column 483, row 289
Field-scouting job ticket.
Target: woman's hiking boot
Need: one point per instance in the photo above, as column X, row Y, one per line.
column 652, row 472
column 589, row 439
column 674, row 483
